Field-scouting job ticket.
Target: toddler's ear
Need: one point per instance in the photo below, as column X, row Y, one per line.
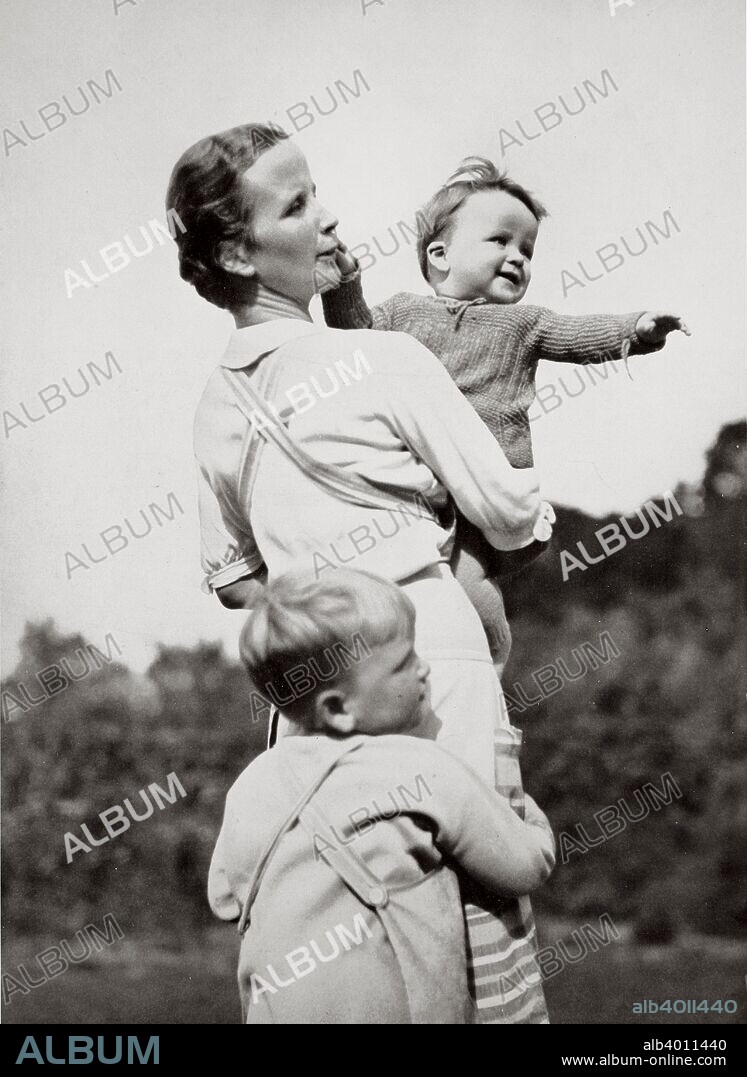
column 331, row 712
column 438, row 257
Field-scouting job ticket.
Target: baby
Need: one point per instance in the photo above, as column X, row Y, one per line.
column 475, row 246
column 340, row 847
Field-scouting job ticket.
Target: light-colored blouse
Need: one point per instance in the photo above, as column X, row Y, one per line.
column 377, row 404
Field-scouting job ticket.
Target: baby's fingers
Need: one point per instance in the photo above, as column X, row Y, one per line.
column 668, row 323
column 346, row 262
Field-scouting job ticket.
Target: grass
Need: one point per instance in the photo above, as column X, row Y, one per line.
column 139, row 982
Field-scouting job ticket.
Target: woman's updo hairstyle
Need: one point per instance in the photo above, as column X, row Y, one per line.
column 206, row 191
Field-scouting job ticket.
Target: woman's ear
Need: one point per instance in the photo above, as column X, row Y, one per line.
column 331, row 712
column 438, row 256
column 235, row 258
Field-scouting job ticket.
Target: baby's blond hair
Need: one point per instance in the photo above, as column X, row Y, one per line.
column 473, row 175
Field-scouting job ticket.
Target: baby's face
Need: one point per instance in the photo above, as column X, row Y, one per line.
column 490, row 249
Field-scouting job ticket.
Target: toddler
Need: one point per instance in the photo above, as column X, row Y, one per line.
column 475, row 246
column 342, row 848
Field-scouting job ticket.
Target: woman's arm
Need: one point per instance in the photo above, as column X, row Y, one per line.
column 443, row 430
column 231, row 561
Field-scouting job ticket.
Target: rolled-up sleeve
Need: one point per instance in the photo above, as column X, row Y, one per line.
column 442, row 429
column 228, row 551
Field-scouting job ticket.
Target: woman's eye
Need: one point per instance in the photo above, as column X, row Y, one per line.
column 297, row 206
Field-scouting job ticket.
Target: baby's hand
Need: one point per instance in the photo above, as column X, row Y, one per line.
column 341, row 268
column 347, row 264
column 653, row 326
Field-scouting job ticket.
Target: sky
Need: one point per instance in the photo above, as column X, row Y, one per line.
column 662, row 131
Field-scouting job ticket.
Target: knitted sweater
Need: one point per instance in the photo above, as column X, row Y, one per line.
column 491, row 350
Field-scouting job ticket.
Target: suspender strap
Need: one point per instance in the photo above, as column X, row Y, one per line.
column 252, row 449
column 283, row 829
column 344, row 484
column 346, row 864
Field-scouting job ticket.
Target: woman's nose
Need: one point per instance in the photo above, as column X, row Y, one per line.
column 327, row 222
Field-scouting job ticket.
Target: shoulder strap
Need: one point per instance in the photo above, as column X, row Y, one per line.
column 252, row 448
column 344, row 484
column 346, row 864
column 284, row 827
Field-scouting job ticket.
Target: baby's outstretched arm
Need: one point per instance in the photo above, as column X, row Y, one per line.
column 596, row 338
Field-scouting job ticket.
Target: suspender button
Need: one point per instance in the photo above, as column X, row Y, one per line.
column 378, row 897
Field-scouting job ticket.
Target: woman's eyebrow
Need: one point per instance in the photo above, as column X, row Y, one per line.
column 299, row 191
column 292, row 196
column 401, row 664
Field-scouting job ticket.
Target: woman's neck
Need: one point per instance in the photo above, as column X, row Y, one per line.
column 266, row 306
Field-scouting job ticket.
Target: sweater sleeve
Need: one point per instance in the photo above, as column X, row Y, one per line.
column 479, row 830
column 435, row 421
column 346, row 308
column 586, row 338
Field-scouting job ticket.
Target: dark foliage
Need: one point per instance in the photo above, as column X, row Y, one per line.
column 668, row 702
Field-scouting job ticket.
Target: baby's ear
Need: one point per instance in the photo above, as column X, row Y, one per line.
column 438, row 256
column 331, row 712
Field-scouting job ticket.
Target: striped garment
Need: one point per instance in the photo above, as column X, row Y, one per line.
column 503, row 972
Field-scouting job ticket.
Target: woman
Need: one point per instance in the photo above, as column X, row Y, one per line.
column 377, row 407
